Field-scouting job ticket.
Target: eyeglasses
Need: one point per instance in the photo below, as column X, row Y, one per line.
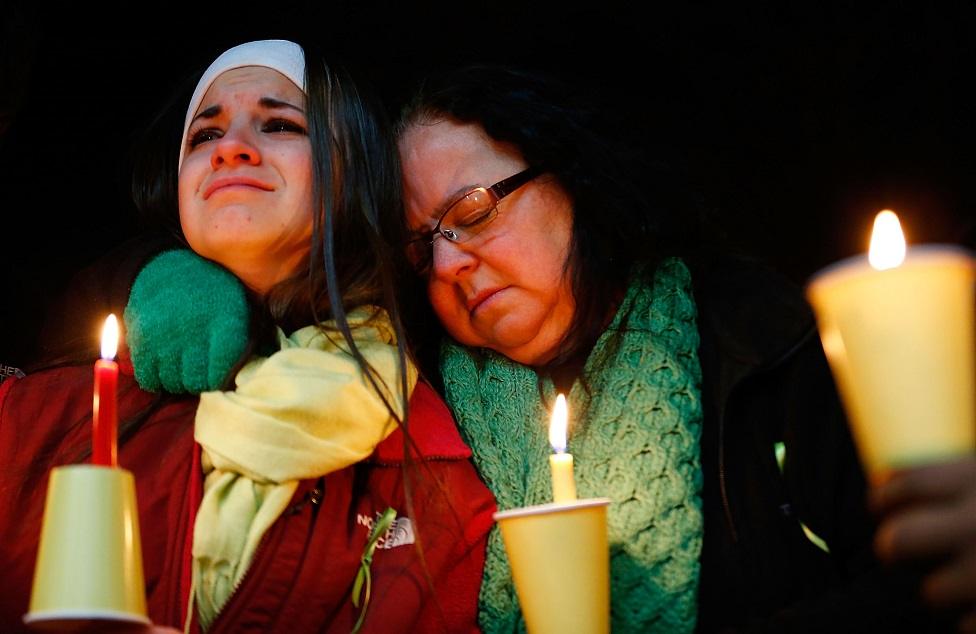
column 465, row 217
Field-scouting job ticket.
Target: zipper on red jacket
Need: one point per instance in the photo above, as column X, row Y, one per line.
column 186, row 575
column 313, row 497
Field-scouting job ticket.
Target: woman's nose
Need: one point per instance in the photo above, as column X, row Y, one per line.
column 452, row 260
column 234, row 148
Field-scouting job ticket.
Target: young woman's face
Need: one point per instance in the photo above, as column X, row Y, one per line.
column 506, row 288
column 245, row 186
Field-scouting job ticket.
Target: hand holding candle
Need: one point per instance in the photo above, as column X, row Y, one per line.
column 104, row 414
column 561, row 463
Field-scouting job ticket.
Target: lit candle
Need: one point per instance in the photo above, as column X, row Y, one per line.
column 104, row 414
column 898, row 327
column 560, row 462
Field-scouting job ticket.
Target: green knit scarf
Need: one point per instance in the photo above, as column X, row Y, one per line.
column 634, row 437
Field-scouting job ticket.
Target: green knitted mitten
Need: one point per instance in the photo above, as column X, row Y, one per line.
column 186, row 323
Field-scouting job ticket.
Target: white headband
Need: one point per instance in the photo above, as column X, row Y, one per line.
column 281, row 55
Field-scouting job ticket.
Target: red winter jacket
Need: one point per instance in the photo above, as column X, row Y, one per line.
column 301, row 577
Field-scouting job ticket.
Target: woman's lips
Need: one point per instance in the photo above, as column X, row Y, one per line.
column 235, row 181
column 478, row 299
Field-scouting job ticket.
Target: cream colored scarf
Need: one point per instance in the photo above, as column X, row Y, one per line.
column 305, row 411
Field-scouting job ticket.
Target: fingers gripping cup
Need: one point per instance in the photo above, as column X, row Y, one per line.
column 560, row 565
column 89, row 562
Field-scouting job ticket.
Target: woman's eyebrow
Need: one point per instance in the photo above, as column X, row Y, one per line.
column 271, row 102
column 208, row 113
column 265, row 102
column 452, row 199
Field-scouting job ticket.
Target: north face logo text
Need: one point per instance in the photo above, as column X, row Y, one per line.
column 400, row 532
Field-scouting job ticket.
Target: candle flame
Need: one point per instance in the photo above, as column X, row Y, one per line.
column 558, row 423
column 110, row 337
column 887, row 242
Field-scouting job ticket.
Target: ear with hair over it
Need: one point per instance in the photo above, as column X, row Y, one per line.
column 186, row 323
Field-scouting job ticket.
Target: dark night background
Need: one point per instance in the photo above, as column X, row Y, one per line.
column 799, row 121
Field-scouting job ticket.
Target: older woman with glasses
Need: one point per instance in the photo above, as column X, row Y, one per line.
column 702, row 404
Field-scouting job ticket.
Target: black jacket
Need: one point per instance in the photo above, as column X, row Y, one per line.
column 766, row 381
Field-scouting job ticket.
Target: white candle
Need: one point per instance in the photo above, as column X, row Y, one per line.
column 561, row 462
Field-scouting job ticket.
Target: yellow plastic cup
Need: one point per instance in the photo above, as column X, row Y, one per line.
column 89, row 562
column 900, row 343
column 560, row 565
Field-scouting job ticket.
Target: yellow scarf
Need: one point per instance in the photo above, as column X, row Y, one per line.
column 305, row 411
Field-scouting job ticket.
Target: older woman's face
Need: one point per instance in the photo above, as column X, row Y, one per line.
column 506, row 288
column 245, row 186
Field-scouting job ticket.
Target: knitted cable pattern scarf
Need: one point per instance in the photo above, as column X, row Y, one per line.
column 634, row 438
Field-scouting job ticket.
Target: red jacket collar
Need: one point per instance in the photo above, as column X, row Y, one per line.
column 432, row 428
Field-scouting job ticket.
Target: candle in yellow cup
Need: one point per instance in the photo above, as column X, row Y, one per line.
column 897, row 327
column 560, row 462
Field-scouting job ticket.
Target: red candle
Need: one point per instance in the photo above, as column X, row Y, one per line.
column 105, row 417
